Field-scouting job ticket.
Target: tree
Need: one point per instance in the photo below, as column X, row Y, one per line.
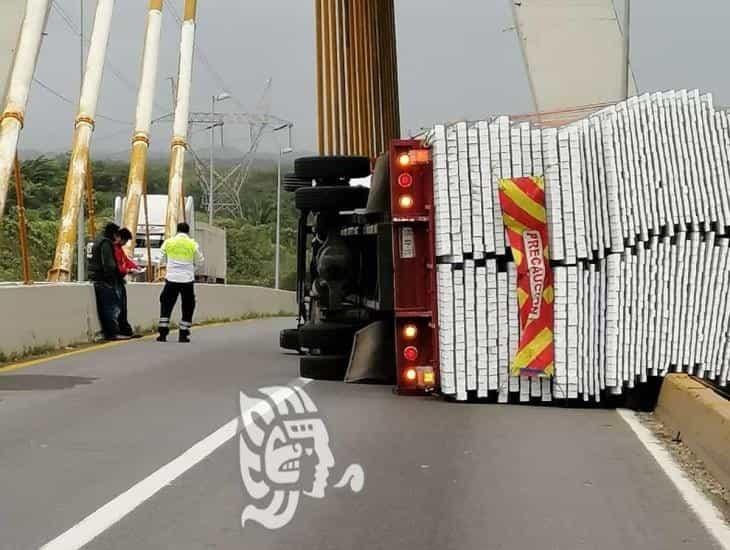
column 251, row 240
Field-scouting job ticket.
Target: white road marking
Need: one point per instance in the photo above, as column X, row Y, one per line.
column 704, row 509
column 102, row 519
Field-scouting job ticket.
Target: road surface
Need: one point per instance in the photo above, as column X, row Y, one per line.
column 77, row 432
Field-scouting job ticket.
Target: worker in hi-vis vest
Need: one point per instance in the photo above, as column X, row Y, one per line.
column 180, row 253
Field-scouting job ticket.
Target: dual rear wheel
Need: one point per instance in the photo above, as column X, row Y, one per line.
column 329, row 346
column 322, row 184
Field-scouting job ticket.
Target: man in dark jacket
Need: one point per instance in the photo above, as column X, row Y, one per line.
column 104, row 273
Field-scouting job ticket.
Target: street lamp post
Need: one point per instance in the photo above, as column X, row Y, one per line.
column 80, row 224
column 216, row 99
column 282, row 151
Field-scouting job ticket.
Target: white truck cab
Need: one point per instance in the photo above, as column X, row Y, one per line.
column 212, row 239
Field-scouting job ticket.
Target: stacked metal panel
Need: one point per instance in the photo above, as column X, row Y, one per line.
column 638, row 211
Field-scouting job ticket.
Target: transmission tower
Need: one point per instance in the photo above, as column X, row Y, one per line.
column 227, row 185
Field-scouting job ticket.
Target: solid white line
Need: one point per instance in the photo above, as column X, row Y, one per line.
column 703, row 507
column 95, row 524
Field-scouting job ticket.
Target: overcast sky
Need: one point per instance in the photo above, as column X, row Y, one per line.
column 458, row 59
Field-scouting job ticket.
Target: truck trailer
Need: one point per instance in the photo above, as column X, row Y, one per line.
column 418, row 281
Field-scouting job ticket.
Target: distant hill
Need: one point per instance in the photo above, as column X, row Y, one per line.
column 263, row 159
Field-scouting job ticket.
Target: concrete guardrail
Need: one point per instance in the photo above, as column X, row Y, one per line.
column 50, row 316
column 702, row 418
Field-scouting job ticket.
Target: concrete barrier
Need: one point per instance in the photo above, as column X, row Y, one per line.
column 48, row 316
column 702, row 418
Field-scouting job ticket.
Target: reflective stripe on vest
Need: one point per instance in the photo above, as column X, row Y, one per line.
column 180, row 248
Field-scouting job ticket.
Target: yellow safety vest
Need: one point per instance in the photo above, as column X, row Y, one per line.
column 180, row 248
column 182, row 253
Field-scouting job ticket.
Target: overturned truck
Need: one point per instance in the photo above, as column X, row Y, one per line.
column 418, row 281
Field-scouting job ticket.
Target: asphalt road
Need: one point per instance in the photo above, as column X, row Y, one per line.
column 76, row 432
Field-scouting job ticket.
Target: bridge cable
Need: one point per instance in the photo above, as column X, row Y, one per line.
column 203, row 59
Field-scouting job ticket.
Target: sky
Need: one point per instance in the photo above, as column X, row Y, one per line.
column 457, row 60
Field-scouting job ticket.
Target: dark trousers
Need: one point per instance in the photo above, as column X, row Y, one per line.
column 168, row 298
column 123, row 321
column 107, row 306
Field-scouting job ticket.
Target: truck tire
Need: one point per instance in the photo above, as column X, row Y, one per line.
column 332, row 168
column 290, row 182
column 324, row 367
column 289, row 339
column 323, row 198
column 328, row 337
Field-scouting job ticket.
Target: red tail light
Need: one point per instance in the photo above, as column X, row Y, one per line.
column 411, row 353
column 405, row 180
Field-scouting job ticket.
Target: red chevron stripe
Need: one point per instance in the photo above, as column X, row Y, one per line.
column 531, row 188
column 513, row 209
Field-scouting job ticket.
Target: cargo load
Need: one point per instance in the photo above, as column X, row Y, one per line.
column 635, row 200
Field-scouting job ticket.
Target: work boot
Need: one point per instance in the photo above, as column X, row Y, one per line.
column 163, row 334
column 184, row 337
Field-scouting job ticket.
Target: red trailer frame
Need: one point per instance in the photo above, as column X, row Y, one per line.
column 414, row 267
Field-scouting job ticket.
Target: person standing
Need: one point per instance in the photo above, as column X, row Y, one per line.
column 125, row 266
column 180, row 253
column 104, row 274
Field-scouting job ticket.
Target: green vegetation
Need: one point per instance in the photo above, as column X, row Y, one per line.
column 251, row 240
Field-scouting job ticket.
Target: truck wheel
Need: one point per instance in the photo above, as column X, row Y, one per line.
column 332, row 168
column 290, row 182
column 324, row 367
column 328, row 337
column 322, row 198
column 289, row 339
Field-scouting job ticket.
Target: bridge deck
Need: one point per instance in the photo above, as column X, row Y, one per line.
column 78, row 431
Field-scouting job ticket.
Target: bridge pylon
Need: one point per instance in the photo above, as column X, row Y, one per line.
column 79, row 164
column 357, row 76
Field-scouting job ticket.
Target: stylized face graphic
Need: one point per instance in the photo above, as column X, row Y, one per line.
column 285, row 451
column 282, row 458
column 316, row 440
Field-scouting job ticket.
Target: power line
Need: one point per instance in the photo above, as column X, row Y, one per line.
column 52, row 91
column 111, row 135
column 65, row 99
column 63, row 14
column 203, row 59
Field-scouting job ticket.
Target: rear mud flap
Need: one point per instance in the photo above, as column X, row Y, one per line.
column 372, row 360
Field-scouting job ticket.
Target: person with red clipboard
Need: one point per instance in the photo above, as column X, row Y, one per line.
column 125, row 266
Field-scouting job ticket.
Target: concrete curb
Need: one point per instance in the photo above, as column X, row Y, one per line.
column 44, row 317
column 702, row 419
